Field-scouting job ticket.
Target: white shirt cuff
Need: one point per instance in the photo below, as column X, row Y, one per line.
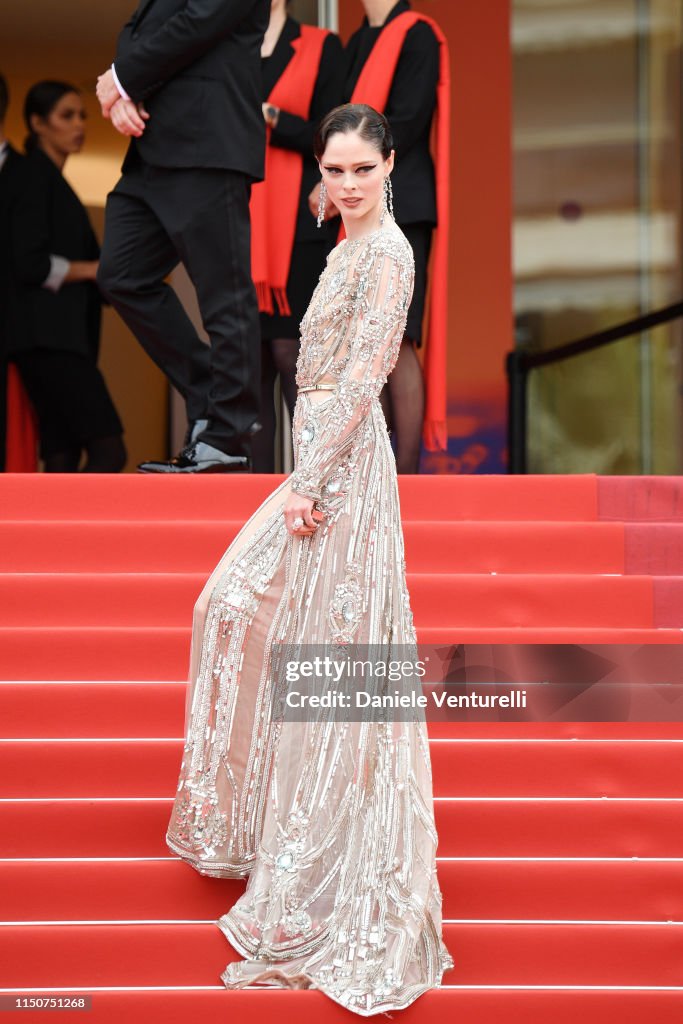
column 59, row 268
column 118, row 85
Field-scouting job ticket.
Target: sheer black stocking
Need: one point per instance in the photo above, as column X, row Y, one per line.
column 285, row 352
column 263, row 443
column 277, row 356
column 406, row 399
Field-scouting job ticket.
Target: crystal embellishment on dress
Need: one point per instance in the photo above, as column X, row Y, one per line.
column 284, row 861
column 346, row 606
column 298, row 923
column 348, row 611
column 307, row 433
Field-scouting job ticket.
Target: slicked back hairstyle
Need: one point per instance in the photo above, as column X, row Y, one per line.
column 372, row 127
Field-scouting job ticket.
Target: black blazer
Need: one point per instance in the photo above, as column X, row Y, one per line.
column 409, row 110
column 49, row 219
column 11, row 180
column 197, row 67
column 296, row 133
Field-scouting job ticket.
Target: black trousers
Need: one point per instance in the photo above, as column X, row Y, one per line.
column 157, row 217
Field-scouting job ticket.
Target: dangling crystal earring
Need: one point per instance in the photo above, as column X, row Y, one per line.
column 389, row 196
column 322, row 203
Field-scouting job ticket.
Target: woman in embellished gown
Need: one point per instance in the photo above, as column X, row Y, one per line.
column 331, row 820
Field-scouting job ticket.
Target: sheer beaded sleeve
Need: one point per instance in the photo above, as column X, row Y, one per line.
column 382, row 273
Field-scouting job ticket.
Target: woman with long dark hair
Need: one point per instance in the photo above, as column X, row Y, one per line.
column 302, row 72
column 330, row 815
column 55, row 255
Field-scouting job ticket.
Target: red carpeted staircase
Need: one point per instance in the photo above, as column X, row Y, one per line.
column 561, row 844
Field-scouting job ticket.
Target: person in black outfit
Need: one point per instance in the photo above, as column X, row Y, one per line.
column 56, row 337
column 280, row 332
column 185, row 85
column 11, row 177
column 409, row 110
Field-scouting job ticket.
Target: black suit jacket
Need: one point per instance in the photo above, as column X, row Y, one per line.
column 409, row 111
column 48, row 219
column 297, row 133
column 196, row 64
column 11, row 180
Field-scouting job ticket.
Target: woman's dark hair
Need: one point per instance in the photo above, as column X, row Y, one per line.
column 372, row 127
column 41, row 99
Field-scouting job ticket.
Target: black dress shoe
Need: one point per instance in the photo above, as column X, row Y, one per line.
column 200, row 458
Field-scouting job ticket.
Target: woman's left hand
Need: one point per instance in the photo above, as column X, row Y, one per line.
column 298, row 507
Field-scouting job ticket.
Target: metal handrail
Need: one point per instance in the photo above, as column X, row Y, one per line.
column 519, row 363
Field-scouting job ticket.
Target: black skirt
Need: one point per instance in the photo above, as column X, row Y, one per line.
column 308, row 263
column 420, row 237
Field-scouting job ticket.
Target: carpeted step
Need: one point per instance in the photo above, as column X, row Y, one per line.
column 641, row 498
column 477, row 890
column 668, row 601
column 171, row 545
column 162, row 652
column 147, row 709
column 450, row 601
column 461, row 767
column 652, row 549
column 467, row 827
column 491, row 954
column 141, row 496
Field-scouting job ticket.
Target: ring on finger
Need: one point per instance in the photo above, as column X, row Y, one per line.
column 297, row 523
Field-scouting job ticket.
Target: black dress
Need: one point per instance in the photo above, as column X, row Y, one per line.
column 409, row 110
column 55, row 342
column 311, row 246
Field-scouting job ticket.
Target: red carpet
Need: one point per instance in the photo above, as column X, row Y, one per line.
column 560, row 843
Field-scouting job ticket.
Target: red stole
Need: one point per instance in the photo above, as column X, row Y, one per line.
column 373, row 87
column 275, row 200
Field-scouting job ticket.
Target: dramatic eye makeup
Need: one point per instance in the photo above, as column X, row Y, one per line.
column 362, row 168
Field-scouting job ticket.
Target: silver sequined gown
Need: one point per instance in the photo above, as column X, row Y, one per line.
column 333, row 822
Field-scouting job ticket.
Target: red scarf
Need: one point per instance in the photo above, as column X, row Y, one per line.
column 275, row 200
column 373, row 87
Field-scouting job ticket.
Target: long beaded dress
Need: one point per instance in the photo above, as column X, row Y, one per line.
column 331, row 821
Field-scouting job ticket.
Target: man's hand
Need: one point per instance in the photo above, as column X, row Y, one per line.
column 314, row 203
column 127, row 118
column 270, row 114
column 107, row 93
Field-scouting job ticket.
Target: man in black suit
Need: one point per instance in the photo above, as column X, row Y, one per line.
column 185, row 85
column 11, row 177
